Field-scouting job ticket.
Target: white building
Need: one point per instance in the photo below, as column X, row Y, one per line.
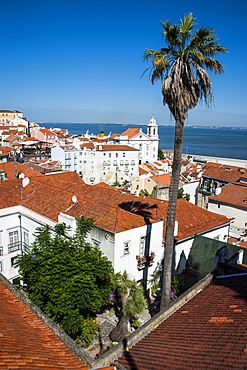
column 107, row 163
column 231, row 201
column 146, row 143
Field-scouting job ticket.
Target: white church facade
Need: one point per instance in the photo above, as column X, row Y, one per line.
column 146, row 143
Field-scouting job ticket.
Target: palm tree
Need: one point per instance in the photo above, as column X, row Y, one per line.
column 132, row 302
column 181, row 66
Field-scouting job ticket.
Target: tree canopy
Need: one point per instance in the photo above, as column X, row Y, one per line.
column 67, row 278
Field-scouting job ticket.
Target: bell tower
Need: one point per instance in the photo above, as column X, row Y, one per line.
column 152, row 128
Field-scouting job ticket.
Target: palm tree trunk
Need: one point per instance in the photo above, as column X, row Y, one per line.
column 171, row 215
column 121, row 330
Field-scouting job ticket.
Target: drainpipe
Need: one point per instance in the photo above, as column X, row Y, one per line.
column 20, row 234
column 15, row 170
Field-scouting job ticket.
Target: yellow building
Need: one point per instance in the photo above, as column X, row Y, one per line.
column 8, row 115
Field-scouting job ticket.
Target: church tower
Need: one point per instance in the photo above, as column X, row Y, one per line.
column 152, row 132
column 152, row 128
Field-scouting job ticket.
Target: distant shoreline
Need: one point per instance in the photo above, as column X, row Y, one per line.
column 143, row 124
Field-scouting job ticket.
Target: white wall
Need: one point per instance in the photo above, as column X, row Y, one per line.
column 240, row 216
column 191, row 189
column 128, row 262
column 21, row 220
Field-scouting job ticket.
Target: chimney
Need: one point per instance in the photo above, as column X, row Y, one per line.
column 176, row 229
column 25, row 181
column 218, row 191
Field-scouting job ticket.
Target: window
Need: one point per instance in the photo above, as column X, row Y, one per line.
column 116, row 155
column 123, row 154
column 1, row 251
column 218, row 205
column 25, row 241
column 95, row 243
column 121, row 163
column 14, row 244
column 13, row 260
column 115, row 163
column 142, row 245
column 109, row 155
column 126, row 248
column 1, row 266
column 132, row 163
column 126, row 163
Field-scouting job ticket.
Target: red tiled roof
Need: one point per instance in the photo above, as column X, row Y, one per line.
column 115, row 147
column 11, row 137
column 162, row 179
column 87, row 145
column 224, row 173
column 195, row 220
column 51, row 194
column 131, row 132
column 8, row 168
column 30, row 139
column 27, row 342
column 208, row 332
column 142, row 171
column 45, row 131
column 233, row 194
column 5, row 149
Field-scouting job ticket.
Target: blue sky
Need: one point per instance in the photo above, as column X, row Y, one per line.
column 81, row 60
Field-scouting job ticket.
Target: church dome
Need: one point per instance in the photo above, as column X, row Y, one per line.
column 152, row 122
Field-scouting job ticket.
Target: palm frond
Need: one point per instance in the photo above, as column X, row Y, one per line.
column 181, row 65
column 171, row 33
column 214, row 65
column 186, row 25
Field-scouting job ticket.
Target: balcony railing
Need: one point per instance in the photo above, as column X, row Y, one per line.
column 145, row 261
column 17, row 246
column 14, row 247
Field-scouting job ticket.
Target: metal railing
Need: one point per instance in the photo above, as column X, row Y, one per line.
column 17, row 246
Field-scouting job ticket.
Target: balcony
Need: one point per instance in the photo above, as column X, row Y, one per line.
column 17, row 246
column 145, row 261
column 14, row 247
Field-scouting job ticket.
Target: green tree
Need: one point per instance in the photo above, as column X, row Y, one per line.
column 181, row 194
column 128, row 299
column 160, row 154
column 144, row 193
column 181, row 66
column 67, row 278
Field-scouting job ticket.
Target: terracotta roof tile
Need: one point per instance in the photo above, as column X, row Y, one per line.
column 115, row 147
column 208, row 332
column 46, row 131
column 51, row 194
column 162, row 179
column 8, row 168
column 235, row 195
column 27, row 342
column 131, row 132
column 225, row 173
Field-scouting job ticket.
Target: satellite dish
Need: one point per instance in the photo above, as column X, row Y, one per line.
column 74, row 199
